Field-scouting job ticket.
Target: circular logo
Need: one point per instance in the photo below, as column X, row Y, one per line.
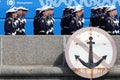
column 90, row 52
column 10, row 3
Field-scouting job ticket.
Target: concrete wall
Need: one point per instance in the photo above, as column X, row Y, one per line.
column 41, row 56
column 31, row 50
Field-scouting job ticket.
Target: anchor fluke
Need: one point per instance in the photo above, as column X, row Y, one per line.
column 90, row 64
column 104, row 57
column 76, row 57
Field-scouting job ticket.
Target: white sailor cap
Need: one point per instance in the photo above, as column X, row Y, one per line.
column 111, row 8
column 38, row 9
column 25, row 9
column 67, row 8
column 100, row 7
column 12, row 10
column 15, row 8
column 71, row 7
column 78, row 8
column 50, row 7
column 44, row 8
column 22, row 8
column 94, row 8
column 106, row 6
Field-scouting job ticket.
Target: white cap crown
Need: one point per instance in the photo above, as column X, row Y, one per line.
column 78, row 8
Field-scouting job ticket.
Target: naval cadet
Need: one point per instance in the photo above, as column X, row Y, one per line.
column 9, row 25
column 44, row 21
column 65, row 20
column 43, row 26
column 77, row 20
column 22, row 21
column 119, row 23
column 50, row 20
column 103, row 16
column 111, row 22
column 35, row 22
column 94, row 18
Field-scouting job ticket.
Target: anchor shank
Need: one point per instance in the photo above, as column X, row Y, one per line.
column 90, row 63
column 90, row 59
column 90, row 55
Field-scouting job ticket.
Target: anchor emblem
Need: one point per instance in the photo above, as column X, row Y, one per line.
column 90, row 63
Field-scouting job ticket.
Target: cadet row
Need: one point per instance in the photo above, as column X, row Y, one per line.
column 104, row 17
column 71, row 20
column 15, row 21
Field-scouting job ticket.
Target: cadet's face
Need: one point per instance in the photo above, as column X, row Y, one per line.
column 19, row 12
column 24, row 13
column 14, row 15
column 115, row 12
column 51, row 12
column 80, row 13
column 46, row 13
column 111, row 13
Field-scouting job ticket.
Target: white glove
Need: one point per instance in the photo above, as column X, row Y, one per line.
column 19, row 19
column 14, row 33
column 47, row 32
column 18, row 29
column 23, row 21
column 53, row 20
column 116, row 22
column 16, row 22
column 83, row 20
column 51, row 29
column 79, row 22
column 117, row 31
column 48, row 22
column 23, row 30
column 113, row 32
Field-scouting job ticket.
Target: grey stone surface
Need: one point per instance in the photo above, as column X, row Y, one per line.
column 35, row 58
column 38, row 50
column 68, row 78
column 58, row 78
column 32, row 50
column 48, row 72
column 117, row 40
column 0, row 51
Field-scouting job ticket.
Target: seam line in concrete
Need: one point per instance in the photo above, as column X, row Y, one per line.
column 1, row 47
column 64, row 45
column 64, row 42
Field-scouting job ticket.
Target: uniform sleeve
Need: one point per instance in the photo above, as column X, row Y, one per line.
column 35, row 22
column 9, row 26
column 109, row 25
column 43, row 24
column 72, row 25
column 119, row 20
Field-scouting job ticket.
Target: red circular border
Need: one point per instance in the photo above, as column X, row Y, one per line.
column 97, row 30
